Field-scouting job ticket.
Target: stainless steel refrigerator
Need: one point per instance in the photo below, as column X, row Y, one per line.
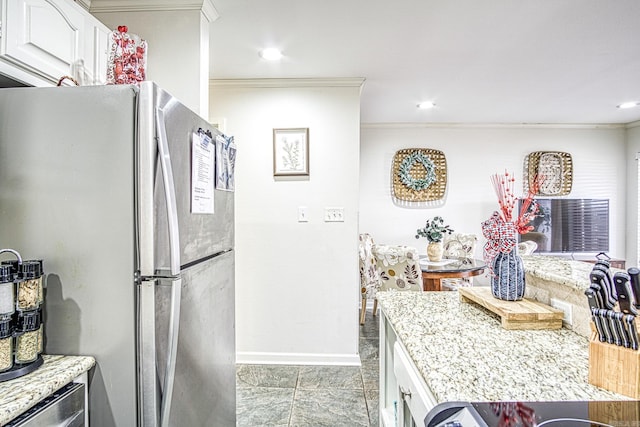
column 97, row 182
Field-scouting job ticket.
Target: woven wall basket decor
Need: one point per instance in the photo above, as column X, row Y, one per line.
column 555, row 167
column 419, row 175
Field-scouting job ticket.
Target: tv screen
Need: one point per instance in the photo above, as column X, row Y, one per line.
column 570, row 225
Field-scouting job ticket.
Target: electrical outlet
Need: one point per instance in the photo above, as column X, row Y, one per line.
column 333, row 214
column 565, row 307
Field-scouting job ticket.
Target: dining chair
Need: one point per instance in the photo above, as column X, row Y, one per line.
column 398, row 267
column 458, row 245
column 527, row 247
column 369, row 277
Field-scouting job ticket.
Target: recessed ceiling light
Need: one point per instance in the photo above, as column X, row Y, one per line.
column 426, row 105
column 271, row 54
column 629, row 104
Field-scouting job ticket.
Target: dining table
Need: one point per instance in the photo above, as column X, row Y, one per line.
column 448, row 268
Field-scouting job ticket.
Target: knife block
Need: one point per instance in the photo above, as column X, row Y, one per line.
column 614, row 368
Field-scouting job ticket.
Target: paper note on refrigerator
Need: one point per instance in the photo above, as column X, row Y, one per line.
column 202, row 173
column 225, row 163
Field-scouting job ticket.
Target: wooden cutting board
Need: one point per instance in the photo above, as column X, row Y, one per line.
column 523, row 314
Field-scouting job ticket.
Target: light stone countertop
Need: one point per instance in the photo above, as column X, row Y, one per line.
column 464, row 354
column 568, row 272
column 20, row 394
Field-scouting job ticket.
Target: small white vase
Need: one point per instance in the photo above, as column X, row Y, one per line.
column 434, row 251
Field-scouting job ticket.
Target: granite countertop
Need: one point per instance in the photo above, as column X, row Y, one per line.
column 464, row 354
column 568, row 272
column 20, row 394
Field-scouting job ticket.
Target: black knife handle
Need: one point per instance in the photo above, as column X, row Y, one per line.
column 634, row 279
column 596, row 319
column 608, row 280
column 603, row 280
column 623, row 329
column 606, row 326
column 623, row 289
column 615, row 327
column 592, row 298
column 631, row 327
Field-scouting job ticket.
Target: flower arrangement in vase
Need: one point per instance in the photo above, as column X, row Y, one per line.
column 434, row 230
column 501, row 230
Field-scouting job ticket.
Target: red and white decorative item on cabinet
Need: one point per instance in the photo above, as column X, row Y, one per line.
column 127, row 58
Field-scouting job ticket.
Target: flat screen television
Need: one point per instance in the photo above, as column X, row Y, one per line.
column 570, row 225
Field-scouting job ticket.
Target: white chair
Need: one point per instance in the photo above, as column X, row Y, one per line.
column 527, row 247
column 458, row 245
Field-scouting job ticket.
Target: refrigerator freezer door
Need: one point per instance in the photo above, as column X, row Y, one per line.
column 201, row 235
column 67, row 197
column 204, row 385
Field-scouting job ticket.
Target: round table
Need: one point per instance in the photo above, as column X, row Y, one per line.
column 448, row 268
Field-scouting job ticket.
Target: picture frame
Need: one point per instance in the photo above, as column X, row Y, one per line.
column 291, row 152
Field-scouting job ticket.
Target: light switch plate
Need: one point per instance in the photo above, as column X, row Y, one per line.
column 303, row 214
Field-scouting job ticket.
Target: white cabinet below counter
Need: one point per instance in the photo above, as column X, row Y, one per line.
column 44, row 40
column 435, row 348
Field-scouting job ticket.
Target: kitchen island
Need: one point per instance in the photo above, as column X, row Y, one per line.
column 551, row 278
column 20, row 394
column 435, row 348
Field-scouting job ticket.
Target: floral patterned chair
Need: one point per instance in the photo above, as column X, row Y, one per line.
column 458, row 245
column 369, row 277
column 398, row 268
column 528, row 247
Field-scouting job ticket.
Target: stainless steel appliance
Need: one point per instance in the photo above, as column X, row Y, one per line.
column 569, row 413
column 98, row 181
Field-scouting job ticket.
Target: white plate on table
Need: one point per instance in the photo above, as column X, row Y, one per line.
column 426, row 261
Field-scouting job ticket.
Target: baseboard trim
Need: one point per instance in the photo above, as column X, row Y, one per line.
column 262, row 358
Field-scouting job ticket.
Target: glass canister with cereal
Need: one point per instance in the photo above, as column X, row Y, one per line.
column 27, row 335
column 29, row 294
column 6, row 343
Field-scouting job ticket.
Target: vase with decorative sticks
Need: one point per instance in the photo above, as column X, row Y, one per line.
column 501, row 230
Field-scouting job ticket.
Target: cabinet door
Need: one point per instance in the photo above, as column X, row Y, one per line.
column 96, row 52
column 44, row 35
column 416, row 400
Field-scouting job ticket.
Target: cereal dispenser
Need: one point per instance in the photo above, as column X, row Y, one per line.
column 21, row 327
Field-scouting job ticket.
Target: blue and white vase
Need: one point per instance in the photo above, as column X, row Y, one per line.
column 507, row 282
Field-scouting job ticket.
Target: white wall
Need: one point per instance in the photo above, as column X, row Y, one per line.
column 473, row 155
column 633, row 153
column 297, row 286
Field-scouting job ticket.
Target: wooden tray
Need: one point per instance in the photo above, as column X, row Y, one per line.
column 524, row 314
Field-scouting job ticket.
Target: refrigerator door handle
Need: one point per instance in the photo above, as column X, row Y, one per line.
column 169, row 376
column 170, row 193
column 149, row 396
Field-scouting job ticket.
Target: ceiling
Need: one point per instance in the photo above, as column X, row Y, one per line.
column 489, row 61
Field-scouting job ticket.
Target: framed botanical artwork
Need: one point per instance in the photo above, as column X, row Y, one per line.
column 291, row 152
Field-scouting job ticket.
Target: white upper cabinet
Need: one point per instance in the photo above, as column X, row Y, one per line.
column 96, row 52
column 54, row 38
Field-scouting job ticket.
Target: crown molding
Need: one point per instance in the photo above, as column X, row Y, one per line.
column 633, row 124
column 286, row 83
column 493, row 125
column 85, row 4
column 102, row 6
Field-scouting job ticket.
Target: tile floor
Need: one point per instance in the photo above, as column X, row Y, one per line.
column 312, row 396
